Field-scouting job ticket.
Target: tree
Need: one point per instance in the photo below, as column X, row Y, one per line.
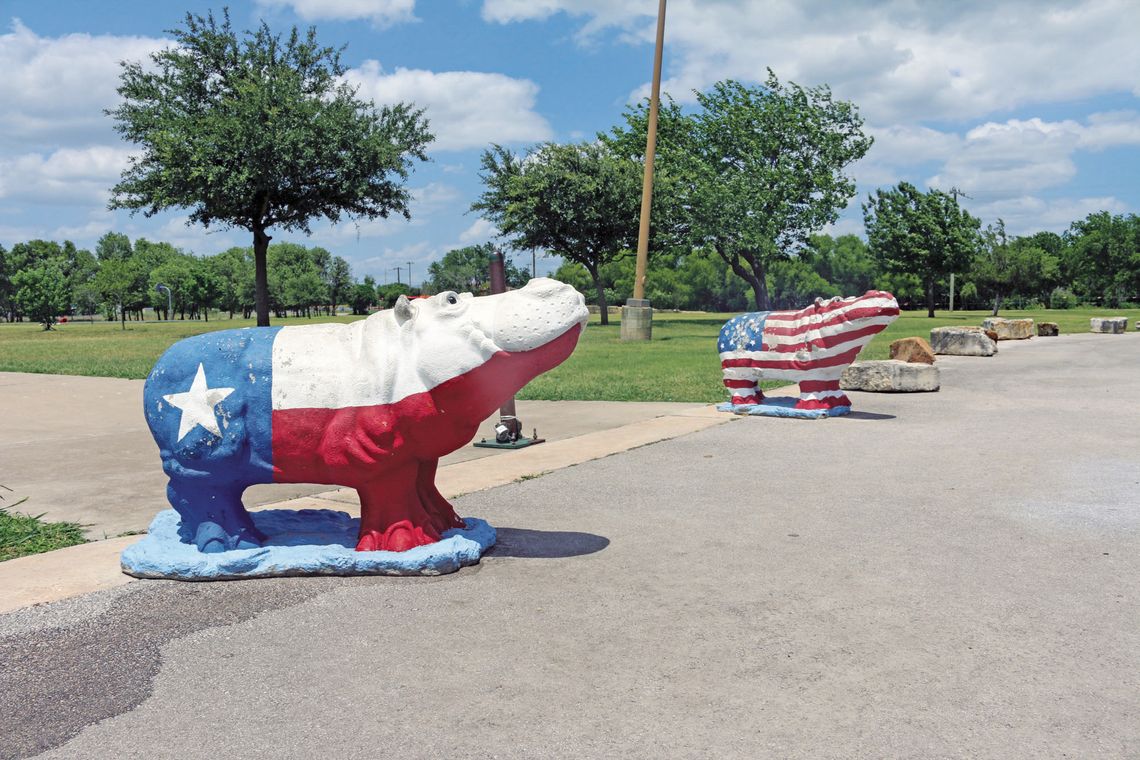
column 338, row 280
column 258, row 133
column 844, row 262
column 924, row 234
column 469, row 269
column 113, row 245
column 42, row 291
column 115, row 282
column 233, row 273
column 362, row 295
column 579, row 201
column 7, row 305
column 1004, row 266
column 757, row 169
column 1102, row 257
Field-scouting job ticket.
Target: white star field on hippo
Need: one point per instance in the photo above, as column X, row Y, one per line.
column 197, row 405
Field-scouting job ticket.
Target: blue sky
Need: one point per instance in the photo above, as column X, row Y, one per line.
column 1031, row 108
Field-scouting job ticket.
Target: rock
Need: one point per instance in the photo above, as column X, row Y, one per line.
column 915, row 350
column 991, row 334
column 1114, row 325
column 962, row 341
column 891, row 376
column 1009, row 329
column 1047, row 329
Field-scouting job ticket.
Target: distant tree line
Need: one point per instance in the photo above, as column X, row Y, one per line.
column 1095, row 262
column 43, row 280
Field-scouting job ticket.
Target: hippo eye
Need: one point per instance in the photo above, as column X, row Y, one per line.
column 452, row 298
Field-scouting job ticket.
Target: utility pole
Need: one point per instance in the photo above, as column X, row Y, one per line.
column 637, row 315
column 955, row 192
column 409, row 274
column 397, row 268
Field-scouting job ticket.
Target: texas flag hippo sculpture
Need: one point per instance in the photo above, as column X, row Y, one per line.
column 372, row 405
column 811, row 347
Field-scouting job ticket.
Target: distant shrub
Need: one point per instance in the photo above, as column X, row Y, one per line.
column 1063, row 298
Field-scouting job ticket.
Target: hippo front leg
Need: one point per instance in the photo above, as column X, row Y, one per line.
column 392, row 517
column 821, row 394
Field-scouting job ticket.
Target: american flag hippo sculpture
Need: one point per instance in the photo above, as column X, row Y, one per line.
column 811, row 347
column 372, row 405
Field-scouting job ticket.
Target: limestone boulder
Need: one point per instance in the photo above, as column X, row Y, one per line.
column 1047, row 329
column 914, row 350
column 891, row 376
column 1009, row 329
column 962, row 341
column 1114, row 325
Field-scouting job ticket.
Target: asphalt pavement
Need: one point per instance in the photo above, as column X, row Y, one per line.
column 952, row 574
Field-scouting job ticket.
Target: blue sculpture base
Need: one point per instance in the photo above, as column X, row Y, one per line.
column 300, row 542
column 782, row 406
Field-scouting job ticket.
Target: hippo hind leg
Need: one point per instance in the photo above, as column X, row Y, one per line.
column 213, row 517
column 438, row 508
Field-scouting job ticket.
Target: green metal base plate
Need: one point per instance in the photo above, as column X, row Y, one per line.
column 521, row 443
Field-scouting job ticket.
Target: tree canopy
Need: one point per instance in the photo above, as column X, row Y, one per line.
column 924, row 234
column 580, row 201
column 468, row 269
column 259, row 132
column 755, row 170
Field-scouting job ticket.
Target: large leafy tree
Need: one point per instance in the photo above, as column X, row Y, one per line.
column 260, row 132
column 578, row 201
column 1102, row 257
column 42, row 291
column 755, row 170
column 469, row 269
column 927, row 235
column 1006, row 265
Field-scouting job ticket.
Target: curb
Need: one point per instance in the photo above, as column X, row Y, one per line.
column 92, row 567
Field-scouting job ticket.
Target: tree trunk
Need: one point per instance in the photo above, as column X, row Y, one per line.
column 997, row 304
column 261, row 277
column 930, row 298
column 603, row 308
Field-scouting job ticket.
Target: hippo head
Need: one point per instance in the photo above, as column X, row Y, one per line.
column 492, row 345
column 878, row 306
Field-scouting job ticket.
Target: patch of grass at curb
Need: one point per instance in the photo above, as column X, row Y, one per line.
column 21, row 535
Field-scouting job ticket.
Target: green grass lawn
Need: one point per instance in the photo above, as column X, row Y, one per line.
column 21, row 535
column 679, row 364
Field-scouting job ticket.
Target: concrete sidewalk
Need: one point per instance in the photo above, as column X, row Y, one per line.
column 936, row 575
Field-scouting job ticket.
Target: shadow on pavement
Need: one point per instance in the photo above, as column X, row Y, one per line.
column 867, row 416
column 545, row 544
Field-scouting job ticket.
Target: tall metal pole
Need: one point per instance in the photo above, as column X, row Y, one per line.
column 397, row 273
column 409, row 274
column 650, row 153
column 637, row 316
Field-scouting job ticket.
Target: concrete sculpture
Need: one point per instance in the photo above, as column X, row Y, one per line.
column 811, row 347
column 372, row 405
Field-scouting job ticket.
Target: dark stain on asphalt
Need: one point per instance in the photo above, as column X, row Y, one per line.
column 54, row 683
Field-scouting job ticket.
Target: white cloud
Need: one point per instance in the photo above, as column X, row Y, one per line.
column 380, row 12
column 1024, row 215
column 54, row 89
column 480, row 232
column 67, row 175
column 898, row 60
column 467, row 109
column 1022, row 156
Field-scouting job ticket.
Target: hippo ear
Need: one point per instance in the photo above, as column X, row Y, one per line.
column 404, row 310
